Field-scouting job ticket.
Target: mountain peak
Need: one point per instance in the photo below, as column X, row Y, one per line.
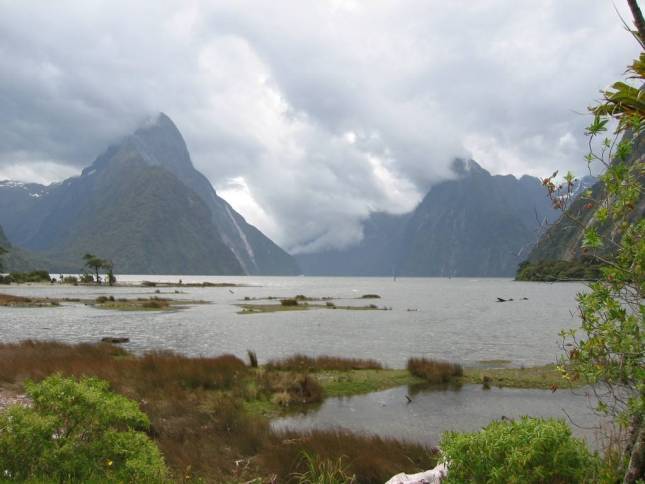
column 159, row 121
column 463, row 167
column 157, row 142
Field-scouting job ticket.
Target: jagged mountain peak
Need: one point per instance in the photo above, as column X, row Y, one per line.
column 156, row 142
column 463, row 167
column 162, row 215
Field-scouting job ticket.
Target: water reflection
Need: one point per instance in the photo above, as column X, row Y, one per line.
column 432, row 410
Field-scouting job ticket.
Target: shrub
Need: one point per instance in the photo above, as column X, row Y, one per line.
column 289, row 302
column 529, row 450
column 34, row 276
column 434, row 371
column 86, row 278
column 78, row 431
column 70, row 280
column 370, row 296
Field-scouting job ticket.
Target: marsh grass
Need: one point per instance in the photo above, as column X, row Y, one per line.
column 545, row 377
column 434, row 371
column 371, row 459
column 323, row 471
column 198, row 412
column 27, row 302
column 300, row 362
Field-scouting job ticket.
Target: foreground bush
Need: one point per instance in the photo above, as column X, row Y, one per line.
column 529, row 450
column 77, row 431
column 434, row 371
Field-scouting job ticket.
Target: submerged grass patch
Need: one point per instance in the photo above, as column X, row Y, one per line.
column 142, row 304
column 9, row 300
column 545, row 377
column 355, row 382
column 296, row 305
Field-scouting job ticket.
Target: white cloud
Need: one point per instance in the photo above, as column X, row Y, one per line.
column 309, row 115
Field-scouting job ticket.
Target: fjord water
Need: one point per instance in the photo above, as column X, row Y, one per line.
column 458, row 319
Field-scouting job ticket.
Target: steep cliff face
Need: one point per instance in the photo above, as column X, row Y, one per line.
column 143, row 205
column 563, row 239
column 474, row 225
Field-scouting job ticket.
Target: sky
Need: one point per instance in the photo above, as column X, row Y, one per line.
column 308, row 115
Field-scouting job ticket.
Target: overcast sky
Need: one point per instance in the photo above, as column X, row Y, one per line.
column 307, row 115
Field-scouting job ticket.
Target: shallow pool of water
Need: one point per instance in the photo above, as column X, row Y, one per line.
column 434, row 411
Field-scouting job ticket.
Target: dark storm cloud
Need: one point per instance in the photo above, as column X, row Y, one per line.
column 308, row 115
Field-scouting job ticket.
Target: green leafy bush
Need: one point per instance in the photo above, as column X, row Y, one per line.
column 77, row 431
column 34, row 276
column 528, row 450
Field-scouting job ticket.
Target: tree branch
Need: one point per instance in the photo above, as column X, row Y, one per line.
column 639, row 21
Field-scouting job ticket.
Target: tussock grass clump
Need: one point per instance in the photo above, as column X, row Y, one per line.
column 371, row 459
column 324, row 470
column 159, row 370
column 300, row 362
column 287, row 389
column 434, row 371
column 155, row 304
column 9, row 299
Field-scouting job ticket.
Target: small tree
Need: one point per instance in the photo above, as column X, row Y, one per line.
column 96, row 264
column 608, row 351
column 3, row 251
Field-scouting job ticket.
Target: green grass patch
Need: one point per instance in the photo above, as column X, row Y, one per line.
column 356, row 382
column 533, row 377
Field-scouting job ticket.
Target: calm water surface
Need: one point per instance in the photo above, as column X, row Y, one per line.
column 457, row 319
column 434, row 411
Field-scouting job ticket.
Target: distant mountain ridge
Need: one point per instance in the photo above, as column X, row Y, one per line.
column 143, row 205
column 478, row 225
